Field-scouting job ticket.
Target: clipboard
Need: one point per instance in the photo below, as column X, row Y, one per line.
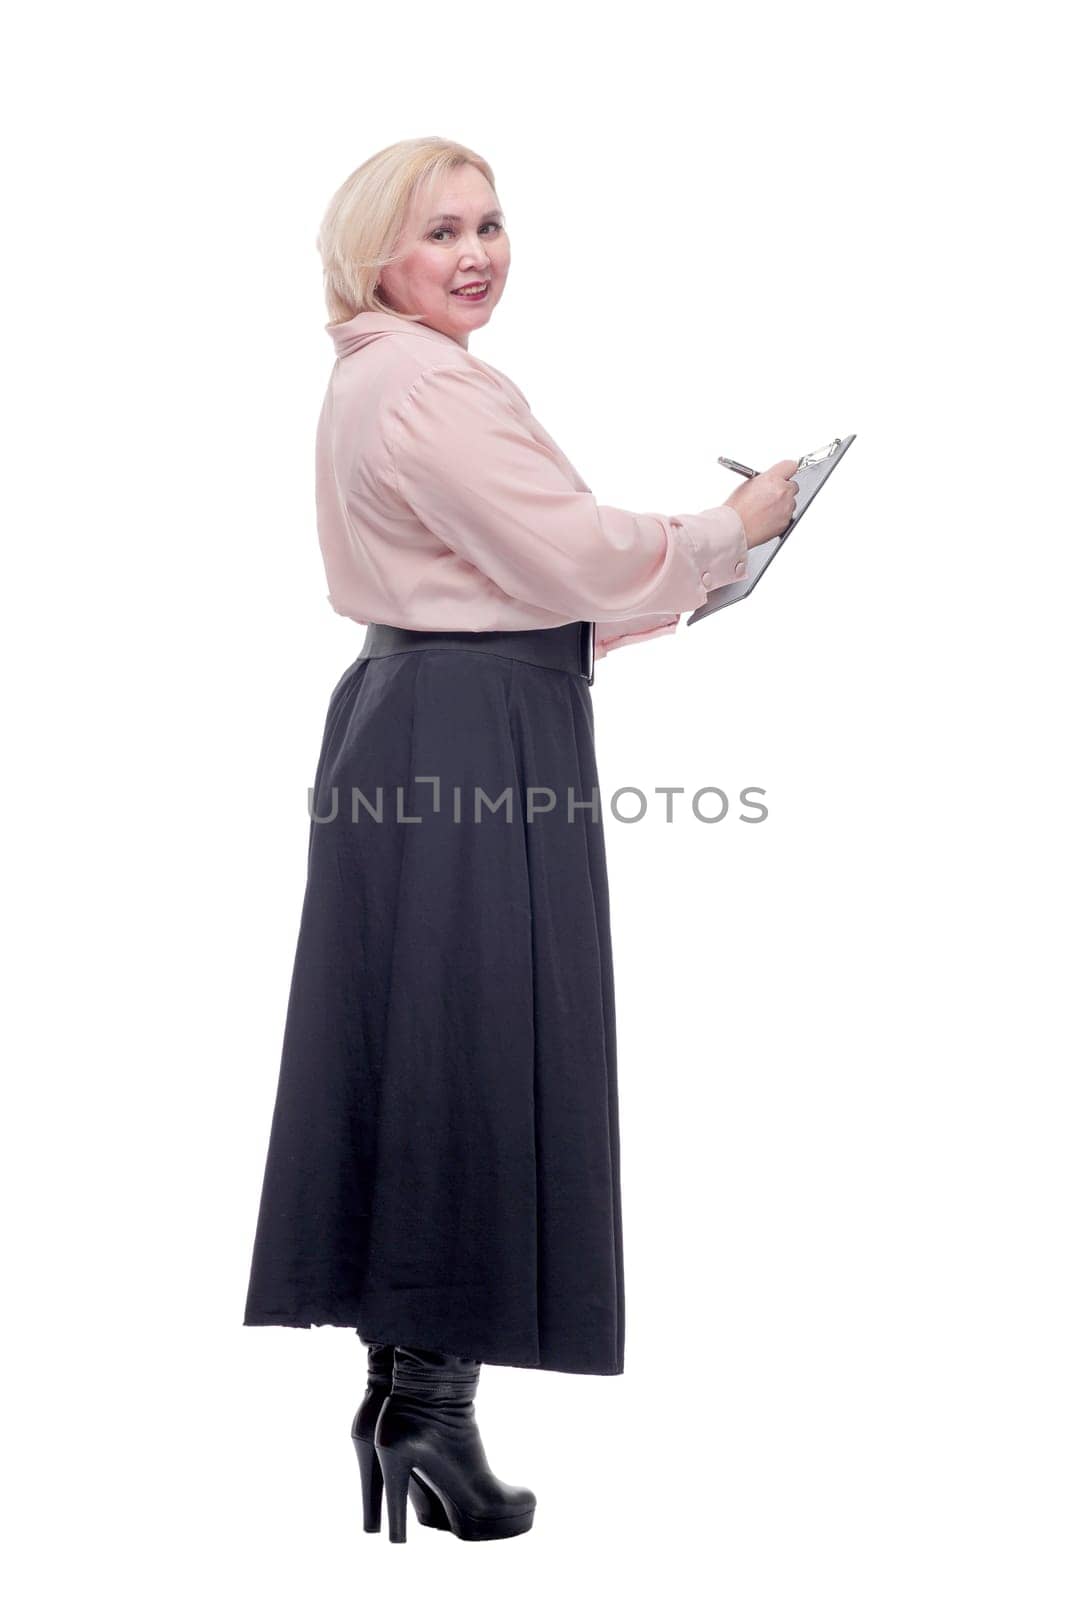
column 812, row 472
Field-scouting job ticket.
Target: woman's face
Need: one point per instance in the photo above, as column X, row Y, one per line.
column 457, row 237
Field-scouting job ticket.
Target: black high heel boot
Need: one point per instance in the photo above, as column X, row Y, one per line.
column 427, row 1434
column 428, row 1509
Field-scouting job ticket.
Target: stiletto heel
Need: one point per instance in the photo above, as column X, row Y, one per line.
column 429, row 1446
column 428, row 1508
column 370, row 1474
column 396, row 1471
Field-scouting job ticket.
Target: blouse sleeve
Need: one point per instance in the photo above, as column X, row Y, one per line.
column 476, row 475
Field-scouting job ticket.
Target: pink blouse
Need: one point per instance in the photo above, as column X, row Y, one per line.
column 443, row 503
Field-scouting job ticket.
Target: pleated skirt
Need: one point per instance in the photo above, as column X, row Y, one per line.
column 443, row 1161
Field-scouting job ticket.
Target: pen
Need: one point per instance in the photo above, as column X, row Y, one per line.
column 735, row 466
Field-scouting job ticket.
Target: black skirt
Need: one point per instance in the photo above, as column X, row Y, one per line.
column 443, row 1163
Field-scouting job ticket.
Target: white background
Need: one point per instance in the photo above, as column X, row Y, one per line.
column 739, row 230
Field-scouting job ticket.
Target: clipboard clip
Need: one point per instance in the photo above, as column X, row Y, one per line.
column 814, row 457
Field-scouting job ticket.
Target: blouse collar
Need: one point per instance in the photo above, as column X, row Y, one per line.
column 370, row 325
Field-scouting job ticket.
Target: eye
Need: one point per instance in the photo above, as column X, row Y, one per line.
column 446, row 228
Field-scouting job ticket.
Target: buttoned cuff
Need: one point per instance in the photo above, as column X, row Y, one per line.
column 716, row 543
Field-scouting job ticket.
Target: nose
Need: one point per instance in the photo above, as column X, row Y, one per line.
column 477, row 252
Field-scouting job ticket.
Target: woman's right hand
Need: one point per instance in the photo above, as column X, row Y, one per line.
column 766, row 502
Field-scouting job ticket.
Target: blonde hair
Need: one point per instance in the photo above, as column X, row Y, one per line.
column 364, row 221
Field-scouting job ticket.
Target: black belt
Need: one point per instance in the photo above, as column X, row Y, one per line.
column 569, row 648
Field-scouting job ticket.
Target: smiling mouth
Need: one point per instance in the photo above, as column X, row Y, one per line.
column 468, row 291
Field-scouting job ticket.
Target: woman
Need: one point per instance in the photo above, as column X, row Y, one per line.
column 443, row 1166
